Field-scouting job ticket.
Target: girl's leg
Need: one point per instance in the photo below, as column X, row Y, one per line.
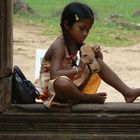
column 66, row 91
column 108, row 76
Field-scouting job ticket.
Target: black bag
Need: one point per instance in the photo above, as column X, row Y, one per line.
column 23, row 91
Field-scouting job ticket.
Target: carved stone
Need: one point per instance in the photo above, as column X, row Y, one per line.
column 110, row 121
column 6, row 56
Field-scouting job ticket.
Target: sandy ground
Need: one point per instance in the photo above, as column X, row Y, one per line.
column 125, row 61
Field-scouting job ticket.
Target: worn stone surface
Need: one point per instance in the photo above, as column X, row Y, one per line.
column 6, row 49
column 109, row 121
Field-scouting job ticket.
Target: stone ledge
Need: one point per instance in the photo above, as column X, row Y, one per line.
column 117, row 107
column 109, row 121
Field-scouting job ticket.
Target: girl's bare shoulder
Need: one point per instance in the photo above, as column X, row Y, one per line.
column 56, row 48
column 59, row 42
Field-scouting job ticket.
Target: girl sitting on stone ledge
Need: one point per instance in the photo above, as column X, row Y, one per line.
column 71, row 71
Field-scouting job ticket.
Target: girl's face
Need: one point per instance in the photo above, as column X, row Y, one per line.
column 79, row 31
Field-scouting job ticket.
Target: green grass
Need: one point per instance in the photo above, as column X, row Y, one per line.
column 104, row 32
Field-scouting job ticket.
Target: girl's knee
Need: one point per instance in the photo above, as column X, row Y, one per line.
column 62, row 82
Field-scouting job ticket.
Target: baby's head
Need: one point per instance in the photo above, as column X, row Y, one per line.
column 74, row 12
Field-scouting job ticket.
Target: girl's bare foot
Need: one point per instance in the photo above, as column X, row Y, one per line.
column 132, row 95
column 99, row 97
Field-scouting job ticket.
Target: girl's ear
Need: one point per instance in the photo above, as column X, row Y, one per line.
column 66, row 24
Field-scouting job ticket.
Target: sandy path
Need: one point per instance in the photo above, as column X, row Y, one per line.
column 124, row 61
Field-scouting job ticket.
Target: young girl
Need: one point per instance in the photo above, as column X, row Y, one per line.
column 71, row 70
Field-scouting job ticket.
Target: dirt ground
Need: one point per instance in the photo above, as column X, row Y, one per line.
column 125, row 61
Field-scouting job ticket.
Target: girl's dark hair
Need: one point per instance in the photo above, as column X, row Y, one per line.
column 72, row 13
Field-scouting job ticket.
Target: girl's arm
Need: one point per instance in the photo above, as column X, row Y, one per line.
column 57, row 68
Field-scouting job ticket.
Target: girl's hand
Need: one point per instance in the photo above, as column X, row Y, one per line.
column 84, row 60
column 97, row 50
